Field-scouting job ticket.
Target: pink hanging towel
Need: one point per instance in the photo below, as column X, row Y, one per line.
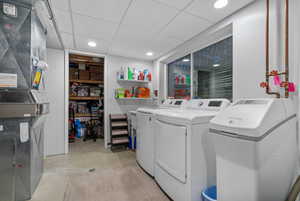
column 292, row 87
column 277, row 80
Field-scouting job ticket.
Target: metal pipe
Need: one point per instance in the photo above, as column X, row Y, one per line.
column 286, row 47
column 268, row 52
column 48, row 6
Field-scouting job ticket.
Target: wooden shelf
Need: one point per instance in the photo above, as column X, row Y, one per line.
column 134, row 98
column 87, row 115
column 83, row 98
column 88, row 81
column 134, row 81
column 86, row 59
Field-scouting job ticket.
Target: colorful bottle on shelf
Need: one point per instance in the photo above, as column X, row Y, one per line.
column 188, row 79
column 126, row 74
column 122, row 74
column 146, row 72
column 149, row 77
column 136, row 74
column 130, row 73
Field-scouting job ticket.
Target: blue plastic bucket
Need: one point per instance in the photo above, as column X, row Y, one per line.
column 134, row 146
column 210, row 194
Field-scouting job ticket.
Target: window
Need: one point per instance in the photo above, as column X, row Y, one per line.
column 179, row 78
column 212, row 72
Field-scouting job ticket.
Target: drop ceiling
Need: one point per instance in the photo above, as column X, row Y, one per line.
column 131, row 28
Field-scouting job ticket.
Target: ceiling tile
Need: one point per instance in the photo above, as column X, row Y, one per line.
column 60, row 4
column 63, row 19
column 92, row 27
column 107, row 9
column 149, row 15
column 67, row 40
column 82, row 44
column 131, row 47
column 206, row 10
column 179, row 4
column 137, row 47
column 163, row 44
column 134, row 33
column 185, row 26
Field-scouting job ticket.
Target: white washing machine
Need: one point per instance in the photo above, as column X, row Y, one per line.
column 145, row 132
column 185, row 159
column 256, row 146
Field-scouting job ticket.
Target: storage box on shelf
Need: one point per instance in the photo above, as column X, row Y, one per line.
column 95, row 75
column 84, row 75
column 119, row 130
column 73, row 74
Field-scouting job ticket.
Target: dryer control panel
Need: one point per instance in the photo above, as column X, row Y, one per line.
column 207, row 104
column 174, row 102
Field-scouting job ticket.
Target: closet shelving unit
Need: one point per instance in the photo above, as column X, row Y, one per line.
column 119, row 130
column 92, row 79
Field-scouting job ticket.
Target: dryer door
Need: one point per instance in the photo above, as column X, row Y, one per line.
column 172, row 149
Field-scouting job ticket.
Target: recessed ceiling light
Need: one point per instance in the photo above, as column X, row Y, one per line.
column 216, row 65
column 220, row 4
column 185, row 60
column 92, row 44
column 149, row 54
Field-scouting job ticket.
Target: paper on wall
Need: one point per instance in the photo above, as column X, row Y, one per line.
column 8, row 80
column 24, row 132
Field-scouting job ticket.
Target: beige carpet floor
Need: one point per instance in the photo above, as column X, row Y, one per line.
column 91, row 173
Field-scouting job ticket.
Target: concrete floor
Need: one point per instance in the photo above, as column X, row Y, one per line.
column 116, row 176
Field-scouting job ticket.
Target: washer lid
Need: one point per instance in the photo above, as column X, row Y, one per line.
column 148, row 110
column 186, row 116
column 253, row 118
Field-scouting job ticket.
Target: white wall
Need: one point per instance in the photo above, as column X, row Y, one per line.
column 54, row 131
column 113, row 106
column 248, row 29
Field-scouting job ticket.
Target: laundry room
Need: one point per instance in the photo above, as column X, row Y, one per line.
column 139, row 100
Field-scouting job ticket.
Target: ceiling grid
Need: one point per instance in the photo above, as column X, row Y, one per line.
column 131, row 28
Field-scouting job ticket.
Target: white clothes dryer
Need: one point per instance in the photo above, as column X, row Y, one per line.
column 185, row 158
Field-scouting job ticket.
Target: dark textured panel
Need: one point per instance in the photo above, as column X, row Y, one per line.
column 7, row 170
column 15, row 37
column 212, row 81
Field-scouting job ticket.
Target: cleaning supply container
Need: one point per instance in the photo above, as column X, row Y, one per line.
column 210, row 194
